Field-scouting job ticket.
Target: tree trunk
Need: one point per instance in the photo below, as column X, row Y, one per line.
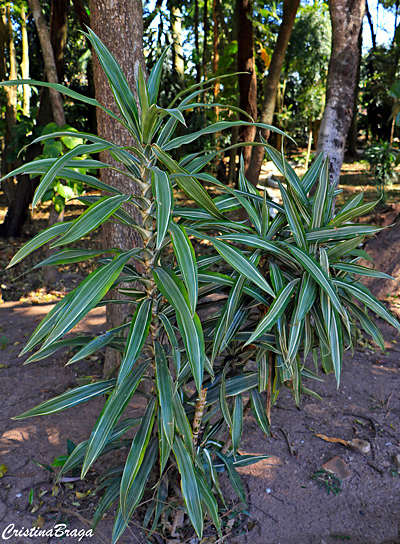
column 353, row 130
column 49, row 60
column 346, row 19
column 205, row 31
column 196, row 41
column 12, row 57
column 26, row 93
column 176, row 31
column 271, row 85
column 371, row 26
column 247, row 82
column 116, row 22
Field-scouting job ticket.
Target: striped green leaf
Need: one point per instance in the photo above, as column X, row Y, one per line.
column 70, row 398
column 320, row 196
column 164, row 203
column 293, row 218
column 136, row 454
column 336, row 342
column 136, row 490
column 233, row 476
column 368, row 325
column 361, row 270
column 259, row 411
column 222, row 400
column 165, row 392
column 91, row 218
column 186, row 258
column 137, row 335
column 237, row 423
column 319, row 275
column 344, row 248
column 348, row 215
column 242, row 264
column 96, row 344
column 110, row 414
column 189, row 486
column 275, row 311
column 364, row 295
column 209, row 500
column 175, row 350
column 189, row 325
column 182, row 423
column 39, row 240
column 86, row 296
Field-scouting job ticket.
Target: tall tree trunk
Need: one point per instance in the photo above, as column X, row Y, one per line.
column 371, row 25
column 205, row 32
column 271, row 85
column 346, row 19
column 215, row 50
column 353, row 130
column 176, row 31
column 247, row 81
column 26, row 93
column 12, row 57
column 49, row 60
column 116, row 22
column 196, row 41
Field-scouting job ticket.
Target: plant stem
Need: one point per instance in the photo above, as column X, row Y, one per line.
column 198, row 415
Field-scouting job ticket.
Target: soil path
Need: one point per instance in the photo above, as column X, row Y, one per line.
column 287, row 506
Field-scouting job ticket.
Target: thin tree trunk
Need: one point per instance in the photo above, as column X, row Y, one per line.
column 247, row 81
column 215, row 50
column 196, row 40
column 116, row 22
column 176, row 31
column 26, row 93
column 271, row 85
column 346, row 19
column 353, row 130
column 309, row 143
column 49, row 60
column 12, row 57
column 371, row 25
column 205, row 31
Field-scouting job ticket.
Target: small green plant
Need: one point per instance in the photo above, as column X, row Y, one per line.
column 286, row 288
column 328, row 481
column 382, row 161
column 4, row 341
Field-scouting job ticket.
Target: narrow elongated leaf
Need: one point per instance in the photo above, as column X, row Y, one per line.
column 305, row 298
column 182, row 424
column 212, row 129
column 276, row 310
column 189, row 486
column 60, row 163
column 319, row 275
column 364, row 295
column 123, row 95
column 242, row 264
column 222, row 400
column 259, row 411
column 39, row 240
column 176, row 352
column 348, row 215
column 136, row 453
column 111, row 494
column 237, row 423
column 311, row 175
column 320, row 196
column 209, row 500
column 165, row 393
column 68, row 256
column 153, row 83
column 110, row 414
column 191, row 186
column 137, row 335
column 326, row 234
column 164, row 203
column 86, row 296
column 96, row 344
column 186, row 258
column 293, row 218
column 136, row 490
column 63, row 90
column 189, row 325
column 233, row 476
column 368, row 325
column 336, row 342
column 74, row 342
column 361, row 270
column 70, row 398
column 91, row 218
column 344, row 248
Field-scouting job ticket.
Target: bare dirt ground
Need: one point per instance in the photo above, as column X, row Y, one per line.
column 287, row 493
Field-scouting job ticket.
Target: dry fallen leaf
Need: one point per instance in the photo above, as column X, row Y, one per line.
column 3, row 470
column 38, row 524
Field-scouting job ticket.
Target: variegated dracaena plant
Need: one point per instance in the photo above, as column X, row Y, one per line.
column 288, row 289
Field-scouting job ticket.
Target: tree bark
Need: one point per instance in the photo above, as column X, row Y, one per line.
column 346, row 19
column 176, row 31
column 117, row 22
column 247, row 82
column 205, row 31
column 353, row 130
column 271, row 85
column 49, row 60
column 196, row 41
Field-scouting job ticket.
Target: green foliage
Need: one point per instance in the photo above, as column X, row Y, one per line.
column 382, row 160
column 288, row 289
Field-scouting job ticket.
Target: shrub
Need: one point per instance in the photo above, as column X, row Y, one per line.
column 287, row 289
column 382, row 162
